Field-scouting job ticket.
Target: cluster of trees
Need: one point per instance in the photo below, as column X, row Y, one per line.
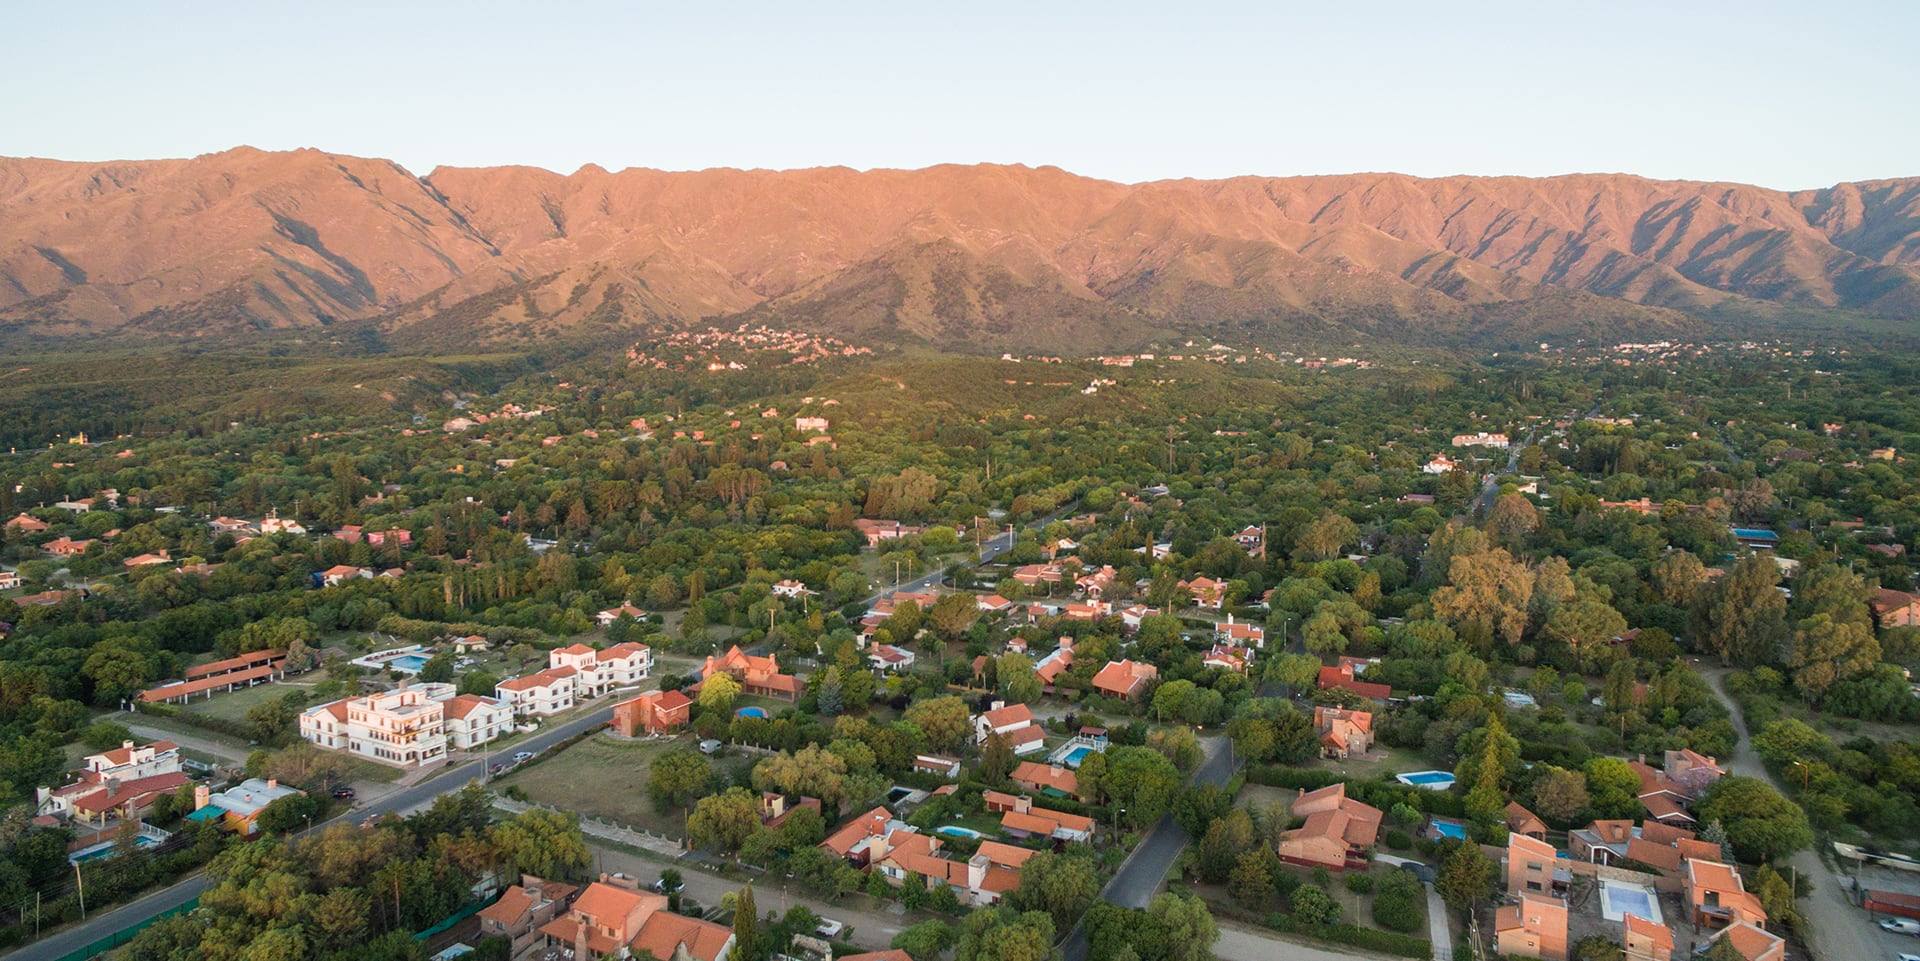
column 361, row 893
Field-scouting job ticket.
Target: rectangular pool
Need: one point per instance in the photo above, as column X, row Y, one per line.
column 1618, row 900
column 410, row 663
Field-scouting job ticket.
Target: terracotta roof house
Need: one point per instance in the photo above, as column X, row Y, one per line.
column 1343, row 733
column 122, row 782
column 1534, row 928
column 28, row 524
column 1056, row 663
column 1049, row 779
column 757, row 675
column 1224, row 656
column 1896, row 608
column 608, row 616
column 1717, row 896
column 66, row 546
column 521, row 909
column 1006, row 720
column 656, row 712
column 1645, row 940
column 1753, row 942
column 597, row 672
column 992, row 604
column 1337, row 832
column 609, row 917
column 1125, row 679
column 1341, row 679
column 1206, row 592
column 1023, row 819
column 546, row 692
column 1522, row 821
column 1532, row 866
column 856, row 840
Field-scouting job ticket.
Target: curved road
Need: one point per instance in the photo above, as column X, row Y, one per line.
column 1835, row 928
column 110, row 922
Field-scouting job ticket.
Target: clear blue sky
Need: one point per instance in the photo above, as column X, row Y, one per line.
column 1783, row 94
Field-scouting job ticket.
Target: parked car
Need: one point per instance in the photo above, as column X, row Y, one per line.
column 344, row 793
column 1900, row 926
column 710, row 746
column 496, row 769
column 829, row 928
column 663, row 887
column 1903, row 956
column 520, row 757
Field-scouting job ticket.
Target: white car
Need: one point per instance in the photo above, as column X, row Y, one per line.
column 1900, row 926
column 522, row 756
column 829, row 928
column 1903, row 956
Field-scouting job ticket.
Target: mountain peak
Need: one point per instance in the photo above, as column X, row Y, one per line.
column 986, row 254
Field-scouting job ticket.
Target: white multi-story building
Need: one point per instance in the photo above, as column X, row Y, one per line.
column 402, row 728
column 597, row 672
column 473, row 720
column 548, row 692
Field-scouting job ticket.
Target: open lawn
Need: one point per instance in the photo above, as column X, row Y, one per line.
column 601, row 778
column 234, row 705
column 1382, row 761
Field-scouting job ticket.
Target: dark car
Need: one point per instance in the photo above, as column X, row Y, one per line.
column 496, row 769
column 345, row 793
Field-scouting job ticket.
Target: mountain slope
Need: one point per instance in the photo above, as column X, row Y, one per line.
column 991, row 256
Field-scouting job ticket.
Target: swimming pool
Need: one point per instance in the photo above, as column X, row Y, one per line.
column 410, row 663
column 752, row 712
column 1618, row 900
column 1077, row 755
column 105, row 850
column 1431, row 780
column 1450, row 829
column 956, row 832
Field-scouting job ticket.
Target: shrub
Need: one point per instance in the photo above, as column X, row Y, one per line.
column 1359, row 883
column 1312, row 905
column 1397, row 840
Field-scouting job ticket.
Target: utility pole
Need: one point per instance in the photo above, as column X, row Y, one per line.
column 80, row 882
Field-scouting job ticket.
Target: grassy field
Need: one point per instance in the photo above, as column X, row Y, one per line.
column 234, row 705
column 1388, row 762
column 601, row 778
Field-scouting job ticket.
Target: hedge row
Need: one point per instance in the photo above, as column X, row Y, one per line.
column 1388, row 942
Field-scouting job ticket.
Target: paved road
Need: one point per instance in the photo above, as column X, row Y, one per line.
column 1241, row 943
column 1836, row 930
column 118, row 919
column 1140, row 877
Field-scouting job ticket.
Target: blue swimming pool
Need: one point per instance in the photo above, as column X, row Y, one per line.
column 1755, row 534
column 105, row 850
column 954, row 832
column 1431, row 780
column 1075, row 756
column 752, row 712
column 410, row 663
column 1449, row 829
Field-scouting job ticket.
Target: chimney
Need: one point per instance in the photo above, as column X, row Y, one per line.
column 996, row 705
column 202, row 796
column 273, row 783
column 1229, row 619
column 580, row 941
column 127, row 745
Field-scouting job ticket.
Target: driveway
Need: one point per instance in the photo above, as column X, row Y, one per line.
column 1836, row 930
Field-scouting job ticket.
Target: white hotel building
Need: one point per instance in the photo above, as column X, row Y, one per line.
column 405, row 727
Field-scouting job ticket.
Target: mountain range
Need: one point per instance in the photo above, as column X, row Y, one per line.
column 248, row 242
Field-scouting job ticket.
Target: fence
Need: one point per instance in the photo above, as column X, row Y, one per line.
column 126, row 934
